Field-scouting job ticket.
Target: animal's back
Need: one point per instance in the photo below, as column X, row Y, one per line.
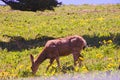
column 70, row 44
column 65, row 46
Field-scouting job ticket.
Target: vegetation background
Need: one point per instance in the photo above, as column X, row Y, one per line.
column 25, row 33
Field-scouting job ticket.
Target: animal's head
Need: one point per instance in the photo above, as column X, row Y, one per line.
column 34, row 67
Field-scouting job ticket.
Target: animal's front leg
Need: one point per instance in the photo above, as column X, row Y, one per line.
column 51, row 61
column 75, row 57
column 57, row 57
column 58, row 63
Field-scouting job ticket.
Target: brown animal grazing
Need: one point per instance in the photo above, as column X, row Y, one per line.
column 59, row 47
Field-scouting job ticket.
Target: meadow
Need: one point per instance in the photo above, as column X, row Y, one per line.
column 98, row 24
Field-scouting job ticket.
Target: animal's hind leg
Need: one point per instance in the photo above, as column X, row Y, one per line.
column 80, row 59
column 76, row 57
column 51, row 61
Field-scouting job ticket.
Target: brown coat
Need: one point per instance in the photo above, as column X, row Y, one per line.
column 59, row 47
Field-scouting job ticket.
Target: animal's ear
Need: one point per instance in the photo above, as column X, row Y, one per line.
column 32, row 58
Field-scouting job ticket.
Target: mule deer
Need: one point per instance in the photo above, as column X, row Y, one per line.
column 59, row 47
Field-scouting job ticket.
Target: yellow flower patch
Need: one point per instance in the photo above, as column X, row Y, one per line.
column 109, row 41
column 81, row 58
column 99, row 55
column 84, row 69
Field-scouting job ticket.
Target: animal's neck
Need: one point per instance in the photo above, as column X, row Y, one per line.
column 40, row 58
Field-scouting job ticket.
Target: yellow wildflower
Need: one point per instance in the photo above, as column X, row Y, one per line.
column 84, row 69
column 0, row 74
column 86, row 20
column 76, row 68
column 28, row 68
column 99, row 42
column 100, row 19
column 4, row 74
column 110, row 65
column 119, row 60
column 109, row 41
column 53, row 72
column 110, row 59
column 81, row 58
column 82, row 22
column 104, row 41
column 21, row 66
column 99, row 55
column 72, row 20
column 13, row 70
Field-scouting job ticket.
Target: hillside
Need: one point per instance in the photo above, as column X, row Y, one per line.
column 23, row 33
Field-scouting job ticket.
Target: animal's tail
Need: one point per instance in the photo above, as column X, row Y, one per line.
column 85, row 44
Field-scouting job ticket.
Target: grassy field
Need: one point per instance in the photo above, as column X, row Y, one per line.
column 98, row 24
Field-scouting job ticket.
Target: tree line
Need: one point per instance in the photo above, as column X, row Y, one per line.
column 32, row 5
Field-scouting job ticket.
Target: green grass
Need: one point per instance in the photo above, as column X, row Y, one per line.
column 98, row 24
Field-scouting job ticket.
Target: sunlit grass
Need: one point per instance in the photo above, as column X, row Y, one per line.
column 99, row 25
